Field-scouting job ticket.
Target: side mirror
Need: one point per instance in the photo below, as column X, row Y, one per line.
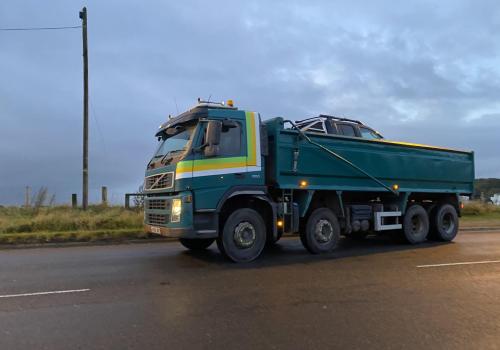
column 212, row 141
column 228, row 124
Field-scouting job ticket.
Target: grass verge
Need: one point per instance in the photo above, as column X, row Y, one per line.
column 64, row 224
column 77, row 236
column 114, row 224
column 480, row 221
column 63, row 218
column 477, row 214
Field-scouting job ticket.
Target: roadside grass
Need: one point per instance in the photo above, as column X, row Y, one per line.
column 112, row 223
column 476, row 208
column 477, row 214
column 487, row 220
column 64, row 224
column 70, row 236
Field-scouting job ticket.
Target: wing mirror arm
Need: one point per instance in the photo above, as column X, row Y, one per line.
column 210, row 147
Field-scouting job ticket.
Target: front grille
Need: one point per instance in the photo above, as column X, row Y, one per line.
column 160, row 181
column 157, row 204
column 157, row 219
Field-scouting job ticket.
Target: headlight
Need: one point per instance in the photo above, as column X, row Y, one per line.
column 176, row 210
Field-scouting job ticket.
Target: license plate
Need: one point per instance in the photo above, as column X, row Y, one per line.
column 155, row 229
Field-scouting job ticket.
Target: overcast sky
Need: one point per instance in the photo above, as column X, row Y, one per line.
column 420, row 71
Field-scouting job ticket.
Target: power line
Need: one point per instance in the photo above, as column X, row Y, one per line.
column 38, row 28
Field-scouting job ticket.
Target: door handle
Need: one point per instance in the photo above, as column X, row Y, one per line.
column 239, row 175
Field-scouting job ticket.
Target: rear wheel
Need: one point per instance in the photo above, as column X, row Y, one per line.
column 415, row 224
column 444, row 223
column 243, row 236
column 322, row 232
column 196, row 244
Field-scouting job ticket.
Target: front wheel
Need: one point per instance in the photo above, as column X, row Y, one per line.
column 243, row 237
column 196, row 244
column 322, row 232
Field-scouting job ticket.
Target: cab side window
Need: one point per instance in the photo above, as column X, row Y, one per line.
column 230, row 141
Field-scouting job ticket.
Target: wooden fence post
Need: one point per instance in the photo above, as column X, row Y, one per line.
column 27, row 197
column 104, row 195
column 74, row 201
column 127, row 201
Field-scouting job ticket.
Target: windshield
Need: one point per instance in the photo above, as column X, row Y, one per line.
column 174, row 144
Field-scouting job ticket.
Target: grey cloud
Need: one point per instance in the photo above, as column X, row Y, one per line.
column 417, row 71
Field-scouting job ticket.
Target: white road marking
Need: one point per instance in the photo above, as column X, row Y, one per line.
column 463, row 263
column 44, row 293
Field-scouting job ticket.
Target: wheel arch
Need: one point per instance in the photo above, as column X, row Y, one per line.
column 249, row 197
column 431, row 201
column 326, row 199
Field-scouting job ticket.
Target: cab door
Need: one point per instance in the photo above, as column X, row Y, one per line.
column 213, row 176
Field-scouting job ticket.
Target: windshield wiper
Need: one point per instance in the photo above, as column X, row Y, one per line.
column 174, row 151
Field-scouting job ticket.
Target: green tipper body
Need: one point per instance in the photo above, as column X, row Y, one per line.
column 413, row 168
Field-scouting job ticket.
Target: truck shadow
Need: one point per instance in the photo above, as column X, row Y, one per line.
column 289, row 251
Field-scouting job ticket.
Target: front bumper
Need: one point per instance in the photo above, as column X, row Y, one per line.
column 180, row 232
column 157, row 217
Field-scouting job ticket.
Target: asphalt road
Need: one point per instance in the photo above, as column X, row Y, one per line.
column 368, row 295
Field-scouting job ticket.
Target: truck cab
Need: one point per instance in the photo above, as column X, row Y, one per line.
column 205, row 155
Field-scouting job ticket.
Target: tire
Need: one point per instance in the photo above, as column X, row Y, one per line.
column 243, row 237
column 444, row 223
column 196, row 244
column 322, row 232
column 415, row 224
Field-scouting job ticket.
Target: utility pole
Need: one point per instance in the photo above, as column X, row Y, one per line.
column 85, row 187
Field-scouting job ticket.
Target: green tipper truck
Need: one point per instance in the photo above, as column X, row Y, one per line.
column 224, row 174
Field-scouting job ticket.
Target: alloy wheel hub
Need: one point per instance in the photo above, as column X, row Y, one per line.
column 323, row 231
column 244, row 235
